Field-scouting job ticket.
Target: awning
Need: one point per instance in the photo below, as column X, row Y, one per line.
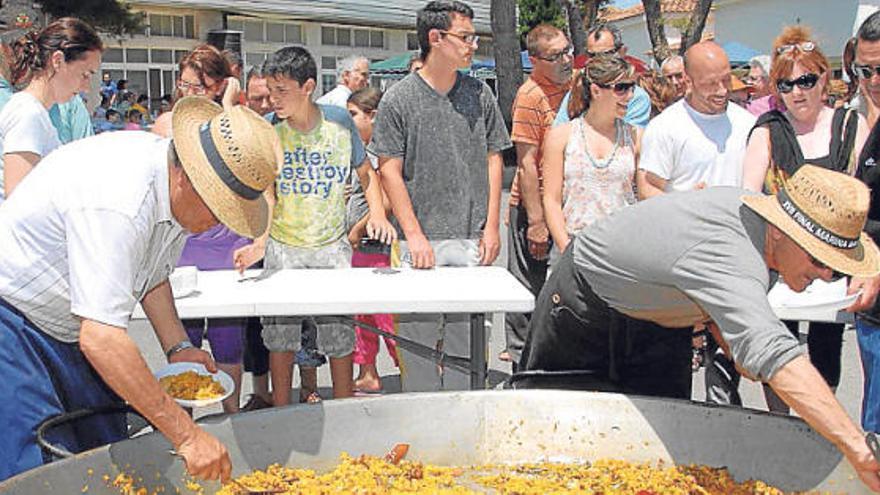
column 739, row 53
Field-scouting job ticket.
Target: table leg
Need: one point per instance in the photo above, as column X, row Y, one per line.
column 479, row 366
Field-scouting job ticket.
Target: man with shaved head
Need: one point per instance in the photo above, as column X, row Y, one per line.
column 699, row 142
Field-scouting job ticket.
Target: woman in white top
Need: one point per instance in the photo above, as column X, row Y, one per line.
column 56, row 64
column 589, row 163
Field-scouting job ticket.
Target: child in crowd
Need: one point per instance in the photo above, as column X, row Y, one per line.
column 362, row 105
column 133, row 120
column 321, row 147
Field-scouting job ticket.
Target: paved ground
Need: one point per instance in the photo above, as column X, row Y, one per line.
column 849, row 392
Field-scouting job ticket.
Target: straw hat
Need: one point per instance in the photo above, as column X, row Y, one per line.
column 230, row 157
column 824, row 212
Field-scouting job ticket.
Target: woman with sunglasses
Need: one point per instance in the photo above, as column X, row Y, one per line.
column 806, row 132
column 589, row 163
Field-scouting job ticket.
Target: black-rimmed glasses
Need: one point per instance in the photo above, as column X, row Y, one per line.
column 805, row 82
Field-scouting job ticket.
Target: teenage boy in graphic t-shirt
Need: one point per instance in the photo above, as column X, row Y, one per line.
column 321, row 148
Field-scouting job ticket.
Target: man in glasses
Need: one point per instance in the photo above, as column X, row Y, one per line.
column 439, row 136
column 867, row 70
column 534, row 109
column 354, row 74
column 605, row 39
column 759, row 80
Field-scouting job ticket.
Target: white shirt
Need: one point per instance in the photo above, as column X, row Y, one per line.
column 338, row 97
column 686, row 147
column 25, row 126
column 89, row 233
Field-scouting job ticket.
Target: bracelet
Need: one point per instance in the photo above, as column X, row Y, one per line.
column 183, row 344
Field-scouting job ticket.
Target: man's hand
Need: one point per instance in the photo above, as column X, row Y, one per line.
column 193, row 355
column 205, row 457
column 420, row 251
column 538, row 238
column 859, row 455
column 381, row 229
column 490, row 246
column 231, row 93
column 869, row 287
column 246, row 256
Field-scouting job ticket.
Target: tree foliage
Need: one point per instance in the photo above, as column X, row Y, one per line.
column 534, row 12
column 110, row 16
column 691, row 27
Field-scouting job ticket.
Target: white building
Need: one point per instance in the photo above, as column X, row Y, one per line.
column 329, row 29
column 754, row 23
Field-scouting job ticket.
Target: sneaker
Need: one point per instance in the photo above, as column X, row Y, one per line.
column 254, row 403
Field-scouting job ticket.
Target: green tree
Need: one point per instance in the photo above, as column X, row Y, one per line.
column 534, row 12
column 110, row 16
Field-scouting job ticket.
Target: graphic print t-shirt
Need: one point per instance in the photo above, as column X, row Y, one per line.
column 310, row 187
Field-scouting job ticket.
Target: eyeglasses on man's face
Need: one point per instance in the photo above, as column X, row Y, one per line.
column 469, row 38
column 194, row 88
column 864, row 71
column 556, row 57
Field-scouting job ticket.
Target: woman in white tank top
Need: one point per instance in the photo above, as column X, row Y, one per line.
column 589, row 164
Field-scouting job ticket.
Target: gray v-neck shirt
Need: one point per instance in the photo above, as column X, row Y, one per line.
column 683, row 258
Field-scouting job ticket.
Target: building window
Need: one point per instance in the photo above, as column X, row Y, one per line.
column 328, row 35
column 274, row 32
column 112, row 55
column 178, row 55
column 328, row 82
column 136, row 56
column 253, row 30
column 377, row 39
column 160, row 56
column 293, row 34
column 328, row 63
column 412, row 41
column 485, row 48
column 179, row 26
column 361, row 38
column 343, row 37
column 254, row 59
column 235, row 25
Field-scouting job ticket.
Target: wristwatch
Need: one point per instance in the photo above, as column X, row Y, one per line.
column 183, row 344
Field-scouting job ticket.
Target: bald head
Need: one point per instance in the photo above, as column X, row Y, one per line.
column 708, row 74
column 705, row 55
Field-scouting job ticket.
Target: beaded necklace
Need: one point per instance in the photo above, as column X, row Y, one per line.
column 600, row 164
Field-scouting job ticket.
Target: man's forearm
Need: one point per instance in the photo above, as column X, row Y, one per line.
column 401, row 205
column 118, row 361
column 804, row 390
column 649, row 185
column 496, row 176
column 158, row 305
column 530, row 189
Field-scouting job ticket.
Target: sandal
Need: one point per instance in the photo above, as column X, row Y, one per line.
column 255, row 403
column 312, row 398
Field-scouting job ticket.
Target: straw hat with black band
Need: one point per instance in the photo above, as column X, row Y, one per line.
column 824, row 212
column 230, row 157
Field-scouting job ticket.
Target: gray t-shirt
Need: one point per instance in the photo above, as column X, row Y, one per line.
column 444, row 141
column 686, row 257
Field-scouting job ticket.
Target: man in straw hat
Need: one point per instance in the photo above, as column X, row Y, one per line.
column 701, row 256
column 86, row 238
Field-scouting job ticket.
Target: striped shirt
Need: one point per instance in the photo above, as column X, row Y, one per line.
column 89, row 232
column 534, row 110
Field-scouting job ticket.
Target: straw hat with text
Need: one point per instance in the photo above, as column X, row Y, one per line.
column 824, row 212
column 230, row 157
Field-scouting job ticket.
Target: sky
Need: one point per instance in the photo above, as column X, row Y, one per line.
column 623, row 4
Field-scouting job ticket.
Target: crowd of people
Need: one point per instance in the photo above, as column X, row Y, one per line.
column 650, row 213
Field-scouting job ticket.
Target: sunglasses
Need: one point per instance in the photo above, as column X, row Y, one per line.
column 620, row 88
column 806, row 46
column 865, row 71
column 556, row 57
column 805, row 82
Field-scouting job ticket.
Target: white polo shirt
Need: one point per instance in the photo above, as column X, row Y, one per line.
column 88, row 232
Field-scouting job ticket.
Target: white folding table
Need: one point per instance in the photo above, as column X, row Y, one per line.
column 353, row 291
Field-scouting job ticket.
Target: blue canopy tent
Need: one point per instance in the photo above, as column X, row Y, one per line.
column 489, row 64
column 738, row 53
